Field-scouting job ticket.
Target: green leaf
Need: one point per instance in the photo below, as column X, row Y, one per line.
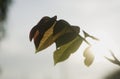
column 66, row 38
column 66, row 32
column 89, row 57
column 63, row 52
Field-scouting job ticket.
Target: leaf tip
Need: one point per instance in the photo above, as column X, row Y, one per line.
column 36, row 51
column 88, row 63
column 88, row 35
column 55, row 63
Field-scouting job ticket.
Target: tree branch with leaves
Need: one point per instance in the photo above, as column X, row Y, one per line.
column 49, row 30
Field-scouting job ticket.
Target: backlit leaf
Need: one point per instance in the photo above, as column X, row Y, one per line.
column 63, row 52
column 37, row 32
column 47, row 39
column 60, row 32
column 66, row 37
column 89, row 57
column 52, row 35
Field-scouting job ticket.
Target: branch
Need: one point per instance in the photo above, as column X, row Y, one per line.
column 115, row 60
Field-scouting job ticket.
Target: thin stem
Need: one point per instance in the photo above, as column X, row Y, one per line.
column 84, row 40
column 115, row 60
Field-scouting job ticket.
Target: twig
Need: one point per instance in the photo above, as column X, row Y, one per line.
column 115, row 60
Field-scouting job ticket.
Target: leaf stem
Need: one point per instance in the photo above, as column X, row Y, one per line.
column 84, row 40
column 115, row 60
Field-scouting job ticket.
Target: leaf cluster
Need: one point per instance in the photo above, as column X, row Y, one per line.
column 65, row 36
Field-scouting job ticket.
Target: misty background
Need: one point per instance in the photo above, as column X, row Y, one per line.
column 17, row 54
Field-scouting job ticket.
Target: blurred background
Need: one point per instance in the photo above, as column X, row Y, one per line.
column 17, row 54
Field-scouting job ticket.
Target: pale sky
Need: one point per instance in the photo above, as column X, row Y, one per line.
column 97, row 17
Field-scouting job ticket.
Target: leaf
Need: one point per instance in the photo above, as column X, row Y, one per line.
column 38, row 31
column 66, row 32
column 47, row 39
column 58, row 29
column 60, row 32
column 89, row 57
column 88, row 35
column 63, row 52
column 76, row 29
column 50, row 37
column 66, row 38
column 60, row 25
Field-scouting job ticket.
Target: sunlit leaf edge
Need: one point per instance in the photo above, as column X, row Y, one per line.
column 89, row 56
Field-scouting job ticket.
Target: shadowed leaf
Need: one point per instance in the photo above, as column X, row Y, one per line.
column 60, row 25
column 67, row 32
column 38, row 31
column 58, row 29
column 67, row 37
column 47, row 39
column 50, row 37
column 76, row 29
column 63, row 52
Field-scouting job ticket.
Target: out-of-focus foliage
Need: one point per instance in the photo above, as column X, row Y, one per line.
column 114, row 60
column 114, row 75
column 4, row 8
column 4, row 4
column 65, row 36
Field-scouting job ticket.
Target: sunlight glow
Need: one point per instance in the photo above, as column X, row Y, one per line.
column 101, row 48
